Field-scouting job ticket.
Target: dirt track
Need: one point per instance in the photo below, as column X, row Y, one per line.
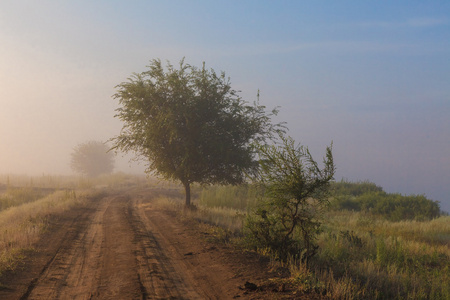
column 121, row 247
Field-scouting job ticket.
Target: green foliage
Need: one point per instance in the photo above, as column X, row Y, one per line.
column 92, row 159
column 295, row 191
column 344, row 187
column 190, row 125
column 368, row 197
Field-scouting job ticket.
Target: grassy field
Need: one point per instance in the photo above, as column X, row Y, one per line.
column 363, row 254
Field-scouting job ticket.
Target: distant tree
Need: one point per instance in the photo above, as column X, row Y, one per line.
column 92, row 159
column 294, row 193
column 190, row 125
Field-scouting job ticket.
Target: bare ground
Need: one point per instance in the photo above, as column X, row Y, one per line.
column 122, row 247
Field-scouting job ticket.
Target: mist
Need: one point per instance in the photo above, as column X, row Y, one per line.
column 372, row 78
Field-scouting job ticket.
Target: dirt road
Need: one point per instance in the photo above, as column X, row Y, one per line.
column 122, row 247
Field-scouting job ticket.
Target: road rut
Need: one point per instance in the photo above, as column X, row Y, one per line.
column 124, row 248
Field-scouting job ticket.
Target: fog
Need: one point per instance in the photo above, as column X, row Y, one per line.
column 372, row 78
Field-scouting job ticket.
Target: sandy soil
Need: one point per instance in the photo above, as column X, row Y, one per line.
column 122, row 247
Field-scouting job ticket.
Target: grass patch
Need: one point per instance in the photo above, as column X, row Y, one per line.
column 21, row 226
column 229, row 219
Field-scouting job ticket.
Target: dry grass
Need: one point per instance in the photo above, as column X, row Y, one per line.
column 387, row 260
column 21, row 226
column 77, row 182
column 44, row 181
column 229, row 219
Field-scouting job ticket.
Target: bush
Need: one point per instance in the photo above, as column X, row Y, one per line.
column 294, row 191
column 368, row 197
column 355, row 188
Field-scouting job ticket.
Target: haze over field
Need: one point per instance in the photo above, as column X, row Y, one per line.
column 371, row 76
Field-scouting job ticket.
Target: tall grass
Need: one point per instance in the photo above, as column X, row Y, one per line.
column 361, row 255
column 241, row 197
column 18, row 196
column 388, row 260
column 75, row 182
column 43, row 181
column 229, row 219
column 21, row 226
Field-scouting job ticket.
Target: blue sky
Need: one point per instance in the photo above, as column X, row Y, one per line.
column 371, row 76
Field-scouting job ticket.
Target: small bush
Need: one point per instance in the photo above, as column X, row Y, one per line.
column 294, row 192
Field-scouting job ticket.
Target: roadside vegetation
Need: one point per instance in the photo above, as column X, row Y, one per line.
column 28, row 205
column 364, row 252
column 21, row 225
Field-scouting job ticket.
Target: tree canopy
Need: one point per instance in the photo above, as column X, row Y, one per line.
column 92, row 159
column 190, row 125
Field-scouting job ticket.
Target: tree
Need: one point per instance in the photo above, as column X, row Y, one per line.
column 189, row 125
column 294, row 192
column 92, row 159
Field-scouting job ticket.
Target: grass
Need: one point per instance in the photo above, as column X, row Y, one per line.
column 237, row 197
column 44, row 181
column 58, row 182
column 388, row 260
column 229, row 219
column 361, row 255
column 21, row 226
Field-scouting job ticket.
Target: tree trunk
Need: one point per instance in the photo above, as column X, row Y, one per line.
column 187, row 189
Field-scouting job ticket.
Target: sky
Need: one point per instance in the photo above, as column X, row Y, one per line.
column 373, row 77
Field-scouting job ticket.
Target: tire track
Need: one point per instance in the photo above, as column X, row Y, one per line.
column 185, row 261
column 119, row 248
column 117, row 276
column 66, row 275
column 159, row 277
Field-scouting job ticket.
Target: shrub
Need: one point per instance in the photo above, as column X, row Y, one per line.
column 368, row 197
column 344, row 187
column 294, row 191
